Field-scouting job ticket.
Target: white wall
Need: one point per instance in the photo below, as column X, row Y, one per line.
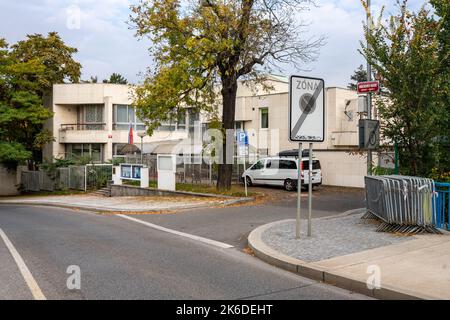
column 340, row 168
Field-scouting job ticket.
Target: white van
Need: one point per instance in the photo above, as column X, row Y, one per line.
column 282, row 171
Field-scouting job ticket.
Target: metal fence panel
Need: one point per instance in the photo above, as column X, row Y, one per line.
column 98, row 175
column 77, row 177
column 31, row 180
column 401, row 200
column 47, row 183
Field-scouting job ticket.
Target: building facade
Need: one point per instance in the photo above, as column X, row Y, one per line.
column 94, row 120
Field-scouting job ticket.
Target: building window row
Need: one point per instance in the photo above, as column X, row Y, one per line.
column 124, row 115
column 77, row 151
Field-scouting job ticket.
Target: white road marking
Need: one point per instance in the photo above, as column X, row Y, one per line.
column 26, row 274
column 182, row 234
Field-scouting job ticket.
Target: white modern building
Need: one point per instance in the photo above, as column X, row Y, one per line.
column 94, row 120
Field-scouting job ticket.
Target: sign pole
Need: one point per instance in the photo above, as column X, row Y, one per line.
column 245, row 178
column 299, row 191
column 369, row 94
column 310, row 189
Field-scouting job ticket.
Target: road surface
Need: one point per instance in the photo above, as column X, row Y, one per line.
column 123, row 259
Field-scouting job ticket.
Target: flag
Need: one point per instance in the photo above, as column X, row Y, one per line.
column 130, row 135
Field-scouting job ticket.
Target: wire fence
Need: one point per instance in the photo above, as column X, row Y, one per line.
column 88, row 177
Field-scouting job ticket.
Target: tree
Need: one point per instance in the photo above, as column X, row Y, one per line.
column 27, row 71
column 116, row 78
column 92, row 79
column 360, row 75
column 442, row 10
column 201, row 49
column 55, row 56
column 406, row 51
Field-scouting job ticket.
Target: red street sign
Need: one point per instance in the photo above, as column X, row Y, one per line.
column 368, row 86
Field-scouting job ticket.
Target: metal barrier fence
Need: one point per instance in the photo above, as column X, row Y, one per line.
column 401, row 200
column 442, row 205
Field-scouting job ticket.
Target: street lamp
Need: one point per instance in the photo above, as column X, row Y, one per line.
column 142, row 134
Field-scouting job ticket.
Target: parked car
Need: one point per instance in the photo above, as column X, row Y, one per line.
column 282, row 171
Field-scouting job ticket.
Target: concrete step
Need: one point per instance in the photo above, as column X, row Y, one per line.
column 106, row 192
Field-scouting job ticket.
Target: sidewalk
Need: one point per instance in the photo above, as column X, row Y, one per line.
column 121, row 204
column 343, row 248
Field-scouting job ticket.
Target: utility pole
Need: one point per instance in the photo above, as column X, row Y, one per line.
column 369, row 94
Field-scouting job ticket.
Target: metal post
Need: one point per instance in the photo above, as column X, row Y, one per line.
column 142, row 148
column 299, row 191
column 210, row 172
column 310, row 189
column 245, row 179
column 369, row 95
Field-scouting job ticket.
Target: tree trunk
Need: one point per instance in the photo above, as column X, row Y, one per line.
column 225, row 170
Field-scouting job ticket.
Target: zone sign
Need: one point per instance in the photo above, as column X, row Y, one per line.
column 306, row 109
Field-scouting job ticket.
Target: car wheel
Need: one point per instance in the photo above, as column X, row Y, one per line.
column 289, row 184
column 248, row 181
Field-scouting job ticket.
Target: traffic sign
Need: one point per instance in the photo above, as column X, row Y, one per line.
column 306, row 109
column 242, row 137
column 368, row 86
column 369, row 134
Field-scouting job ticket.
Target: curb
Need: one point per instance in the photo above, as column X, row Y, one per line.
column 97, row 209
column 312, row 271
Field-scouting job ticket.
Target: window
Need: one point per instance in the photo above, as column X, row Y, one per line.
column 239, row 125
column 124, row 115
column 315, row 165
column 272, row 164
column 78, row 150
column 177, row 124
column 91, row 116
column 264, row 118
column 181, row 121
column 288, row 164
column 96, row 152
column 258, row 165
column 194, row 117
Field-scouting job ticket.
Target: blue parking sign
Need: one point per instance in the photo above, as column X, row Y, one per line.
column 242, row 138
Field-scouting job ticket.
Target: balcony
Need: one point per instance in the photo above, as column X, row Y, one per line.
column 92, row 132
column 83, row 126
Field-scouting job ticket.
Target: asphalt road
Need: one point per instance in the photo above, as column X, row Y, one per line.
column 233, row 224
column 122, row 259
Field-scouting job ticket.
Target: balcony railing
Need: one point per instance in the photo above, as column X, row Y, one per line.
column 83, row 126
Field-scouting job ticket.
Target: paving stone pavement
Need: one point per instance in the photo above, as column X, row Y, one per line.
column 331, row 237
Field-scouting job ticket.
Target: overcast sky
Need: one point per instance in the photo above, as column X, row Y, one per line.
column 106, row 44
